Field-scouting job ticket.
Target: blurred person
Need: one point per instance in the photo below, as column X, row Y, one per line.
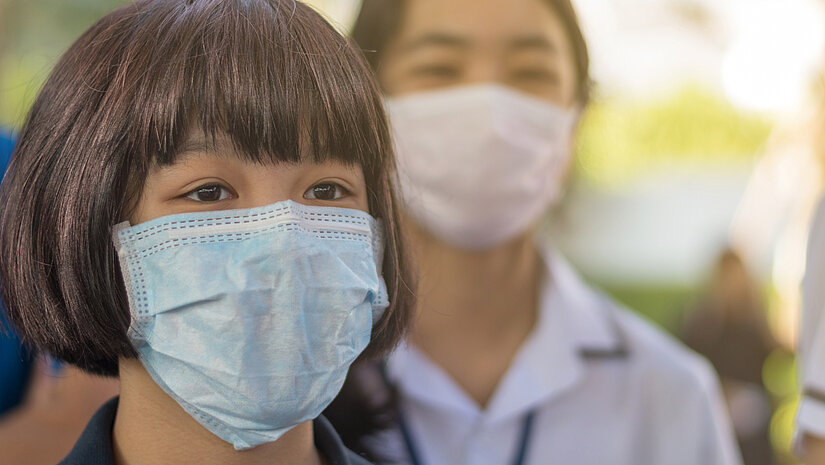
column 810, row 417
column 201, row 203
column 809, row 432
column 513, row 358
column 730, row 328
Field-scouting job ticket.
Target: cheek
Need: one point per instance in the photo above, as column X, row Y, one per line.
column 140, row 205
column 143, row 213
column 140, row 211
column 359, row 200
column 361, row 189
column 570, row 88
column 556, row 94
column 363, row 204
column 569, row 77
column 388, row 79
column 148, row 207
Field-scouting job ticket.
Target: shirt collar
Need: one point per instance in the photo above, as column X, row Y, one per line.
column 589, row 315
column 574, row 323
column 95, row 443
column 329, row 444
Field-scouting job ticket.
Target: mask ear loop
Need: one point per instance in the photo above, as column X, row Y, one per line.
column 378, row 245
column 121, row 240
column 381, row 300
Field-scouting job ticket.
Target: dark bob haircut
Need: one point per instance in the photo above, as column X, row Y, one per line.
column 379, row 20
column 271, row 75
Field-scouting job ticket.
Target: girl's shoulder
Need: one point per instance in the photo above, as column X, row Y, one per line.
column 94, row 447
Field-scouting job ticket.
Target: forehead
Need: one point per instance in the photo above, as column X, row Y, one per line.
column 480, row 23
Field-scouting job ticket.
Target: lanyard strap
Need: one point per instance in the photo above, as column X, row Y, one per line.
column 518, row 459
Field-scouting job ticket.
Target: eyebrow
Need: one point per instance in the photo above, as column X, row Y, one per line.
column 533, row 41
column 438, row 39
column 444, row 39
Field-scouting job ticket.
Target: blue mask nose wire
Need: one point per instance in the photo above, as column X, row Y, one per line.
column 518, row 459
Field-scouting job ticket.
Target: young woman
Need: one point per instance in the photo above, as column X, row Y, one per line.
column 513, row 359
column 201, row 204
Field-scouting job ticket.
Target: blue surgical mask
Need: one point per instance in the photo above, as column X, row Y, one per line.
column 250, row 319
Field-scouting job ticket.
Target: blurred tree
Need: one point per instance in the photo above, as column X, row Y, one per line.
column 620, row 139
column 33, row 35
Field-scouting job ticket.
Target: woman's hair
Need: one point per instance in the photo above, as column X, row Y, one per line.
column 271, row 75
column 379, row 20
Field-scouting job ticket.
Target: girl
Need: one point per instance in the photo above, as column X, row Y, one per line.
column 513, row 358
column 201, row 204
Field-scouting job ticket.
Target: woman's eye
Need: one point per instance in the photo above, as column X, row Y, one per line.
column 436, row 71
column 325, row 191
column 536, row 75
column 209, row 193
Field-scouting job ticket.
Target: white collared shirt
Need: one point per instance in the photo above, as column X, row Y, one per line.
column 810, row 417
column 606, row 387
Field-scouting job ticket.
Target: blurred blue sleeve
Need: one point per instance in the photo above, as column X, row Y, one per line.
column 15, row 360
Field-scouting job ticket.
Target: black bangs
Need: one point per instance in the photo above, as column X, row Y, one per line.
column 270, row 75
column 282, row 86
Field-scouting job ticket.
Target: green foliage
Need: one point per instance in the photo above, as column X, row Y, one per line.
column 33, row 35
column 20, row 81
column 619, row 139
column 661, row 304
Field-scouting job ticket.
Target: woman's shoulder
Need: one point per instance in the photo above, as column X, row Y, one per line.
column 330, row 445
column 94, row 447
column 649, row 350
column 658, row 355
column 355, row 459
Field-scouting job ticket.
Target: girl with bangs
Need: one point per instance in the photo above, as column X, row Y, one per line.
column 201, row 204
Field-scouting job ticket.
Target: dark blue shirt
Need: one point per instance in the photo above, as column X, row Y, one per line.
column 15, row 360
column 95, row 444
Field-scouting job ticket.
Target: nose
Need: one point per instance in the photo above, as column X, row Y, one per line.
column 269, row 183
column 484, row 70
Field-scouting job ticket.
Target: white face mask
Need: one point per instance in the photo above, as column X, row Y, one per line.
column 478, row 165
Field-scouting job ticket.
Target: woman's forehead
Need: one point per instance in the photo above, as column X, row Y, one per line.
column 520, row 24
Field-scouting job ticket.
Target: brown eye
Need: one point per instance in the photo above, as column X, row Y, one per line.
column 209, row 193
column 325, row 191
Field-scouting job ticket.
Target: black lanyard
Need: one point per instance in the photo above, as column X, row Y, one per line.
column 521, row 452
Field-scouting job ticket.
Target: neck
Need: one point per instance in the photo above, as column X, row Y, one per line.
column 475, row 308
column 150, row 427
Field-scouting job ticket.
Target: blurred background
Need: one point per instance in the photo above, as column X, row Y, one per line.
column 700, row 155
